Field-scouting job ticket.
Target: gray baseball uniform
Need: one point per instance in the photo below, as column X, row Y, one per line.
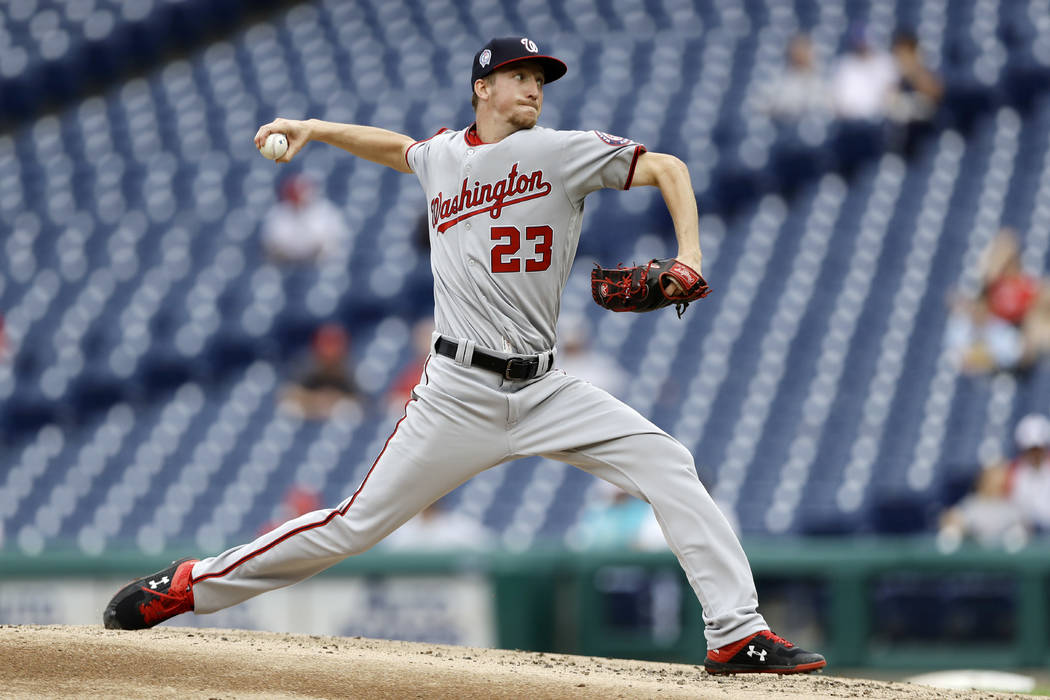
column 504, row 225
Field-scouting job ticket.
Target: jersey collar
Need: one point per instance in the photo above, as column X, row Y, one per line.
column 471, row 136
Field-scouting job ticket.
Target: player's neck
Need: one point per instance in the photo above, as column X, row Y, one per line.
column 491, row 129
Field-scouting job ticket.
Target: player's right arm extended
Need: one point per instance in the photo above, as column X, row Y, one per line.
column 371, row 143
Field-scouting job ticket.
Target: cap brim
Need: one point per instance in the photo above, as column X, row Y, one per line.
column 552, row 67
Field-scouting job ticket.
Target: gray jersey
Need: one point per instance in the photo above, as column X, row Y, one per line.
column 504, row 224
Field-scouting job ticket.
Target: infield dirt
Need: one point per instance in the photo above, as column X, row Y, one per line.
column 92, row 662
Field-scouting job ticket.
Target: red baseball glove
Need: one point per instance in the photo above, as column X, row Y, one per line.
column 647, row 287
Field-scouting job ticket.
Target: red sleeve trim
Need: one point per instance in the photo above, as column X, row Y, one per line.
column 638, row 150
column 407, row 163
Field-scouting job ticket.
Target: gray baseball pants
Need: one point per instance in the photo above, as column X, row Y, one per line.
column 464, row 420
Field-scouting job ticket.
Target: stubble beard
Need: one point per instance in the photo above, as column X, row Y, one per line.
column 524, row 119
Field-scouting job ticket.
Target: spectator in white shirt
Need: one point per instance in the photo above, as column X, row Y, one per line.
column 864, row 81
column 987, row 515
column 440, row 527
column 1030, row 471
column 303, row 226
column 801, row 89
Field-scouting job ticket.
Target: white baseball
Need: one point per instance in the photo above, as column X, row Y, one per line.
column 276, row 145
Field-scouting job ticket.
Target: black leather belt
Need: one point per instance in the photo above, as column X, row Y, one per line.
column 515, row 368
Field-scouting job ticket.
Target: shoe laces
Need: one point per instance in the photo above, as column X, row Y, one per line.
column 163, row 605
column 773, row 637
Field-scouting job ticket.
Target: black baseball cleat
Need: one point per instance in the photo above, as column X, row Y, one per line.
column 150, row 601
column 762, row 652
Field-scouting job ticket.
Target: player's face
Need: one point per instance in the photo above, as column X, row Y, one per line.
column 517, row 94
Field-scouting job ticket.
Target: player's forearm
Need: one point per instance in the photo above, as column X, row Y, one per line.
column 371, row 143
column 671, row 176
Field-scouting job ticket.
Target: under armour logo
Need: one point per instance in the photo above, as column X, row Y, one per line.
column 154, row 584
column 760, row 653
column 529, row 45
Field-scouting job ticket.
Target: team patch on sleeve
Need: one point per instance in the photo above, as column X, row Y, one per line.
column 612, row 140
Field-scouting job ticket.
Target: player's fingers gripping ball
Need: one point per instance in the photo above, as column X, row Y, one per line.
column 647, row 287
column 276, row 146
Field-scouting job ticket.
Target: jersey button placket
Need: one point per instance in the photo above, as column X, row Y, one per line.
column 466, row 176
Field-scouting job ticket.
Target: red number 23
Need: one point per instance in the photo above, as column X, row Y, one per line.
column 510, row 243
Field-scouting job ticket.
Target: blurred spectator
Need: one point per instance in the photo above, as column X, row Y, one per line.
column 419, row 285
column 1007, row 327
column 614, row 518
column 987, row 515
column 303, row 226
column 325, row 381
column 576, row 358
column 1015, row 296
column 919, row 92
column 801, row 90
column 919, row 89
column 400, row 390
column 421, row 237
column 440, row 527
column 863, row 81
column 979, row 341
column 298, row 500
column 1011, row 292
column 1036, row 326
column 1029, row 472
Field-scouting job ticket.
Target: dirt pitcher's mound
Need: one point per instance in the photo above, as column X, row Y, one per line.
column 66, row 662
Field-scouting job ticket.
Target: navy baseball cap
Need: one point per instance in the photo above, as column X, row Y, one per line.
column 499, row 52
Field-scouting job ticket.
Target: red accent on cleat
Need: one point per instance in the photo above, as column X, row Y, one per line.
column 177, row 600
column 725, row 653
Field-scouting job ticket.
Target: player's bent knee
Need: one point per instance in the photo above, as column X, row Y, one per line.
column 674, row 453
column 664, row 454
column 681, row 465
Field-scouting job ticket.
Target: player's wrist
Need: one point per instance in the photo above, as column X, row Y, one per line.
column 311, row 128
column 693, row 259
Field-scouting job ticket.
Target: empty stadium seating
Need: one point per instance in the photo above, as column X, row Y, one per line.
column 152, row 337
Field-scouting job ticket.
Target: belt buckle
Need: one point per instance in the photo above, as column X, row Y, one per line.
column 514, row 363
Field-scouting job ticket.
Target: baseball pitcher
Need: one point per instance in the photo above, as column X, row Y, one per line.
column 505, row 204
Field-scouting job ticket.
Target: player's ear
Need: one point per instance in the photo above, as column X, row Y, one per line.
column 481, row 88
